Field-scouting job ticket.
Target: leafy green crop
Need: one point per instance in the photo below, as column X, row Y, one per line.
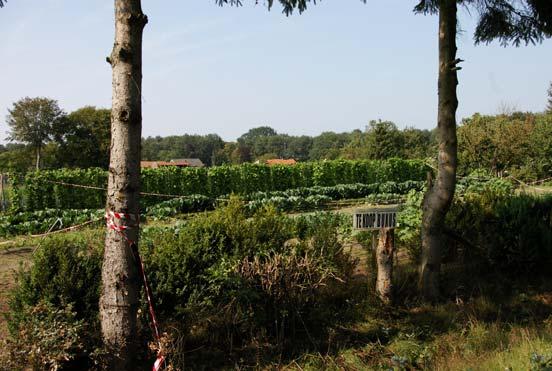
column 44, row 189
column 296, row 199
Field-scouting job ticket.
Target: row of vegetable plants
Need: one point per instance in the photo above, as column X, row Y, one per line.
column 297, row 199
column 49, row 189
column 41, row 221
column 342, row 191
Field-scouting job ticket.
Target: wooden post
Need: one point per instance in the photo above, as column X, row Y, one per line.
column 384, row 262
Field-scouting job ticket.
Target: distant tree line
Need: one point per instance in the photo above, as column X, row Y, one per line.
column 518, row 144
column 381, row 140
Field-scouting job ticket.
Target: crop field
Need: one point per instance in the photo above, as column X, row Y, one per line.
column 214, row 263
column 262, row 194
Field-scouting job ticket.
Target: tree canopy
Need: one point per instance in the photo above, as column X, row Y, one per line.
column 35, row 121
column 520, row 143
column 509, row 21
column 288, row 6
column 86, row 138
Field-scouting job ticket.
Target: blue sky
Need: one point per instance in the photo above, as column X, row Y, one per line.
column 225, row 70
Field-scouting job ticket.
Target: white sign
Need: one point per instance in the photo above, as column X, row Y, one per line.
column 375, row 218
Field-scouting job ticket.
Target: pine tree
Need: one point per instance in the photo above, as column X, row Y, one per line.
column 509, row 21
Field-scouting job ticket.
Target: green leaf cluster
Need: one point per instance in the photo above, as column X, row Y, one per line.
column 39, row 190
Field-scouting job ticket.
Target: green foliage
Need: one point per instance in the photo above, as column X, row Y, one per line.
column 509, row 233
column 203, row 147
column 409, row 221
column 295, row 199
column 41, row 193
column 507, row 21
column 79, row 139
column 341, row 191
column 16, row 158
column 53, row 309
column 64, row 271
column 180, row 206
column 251, row 274
column 187, row 267
column 292, row 203
column 41, row 221
column 308, row 225
column 85, row 140
column 223, row 272
column 480, row 182
column 328, row 145
column 518, row 143
column 288, row 6
column 46, row 338
column 34, row 121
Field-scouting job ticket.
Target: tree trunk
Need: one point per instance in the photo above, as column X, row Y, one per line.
column 37, row 158
column 439, row 196
column 384, row 258
column 120, row 281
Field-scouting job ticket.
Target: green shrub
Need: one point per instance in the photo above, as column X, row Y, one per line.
column 53, row 309
column 510, row 233
column 46, row 338
column 64, row 271
column 233, row 275
column 224, row 274
column 308, row 225
column 409, row 221
column 497, row 227
column 190, row 268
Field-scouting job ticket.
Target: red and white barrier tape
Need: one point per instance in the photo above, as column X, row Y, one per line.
column 113, row 221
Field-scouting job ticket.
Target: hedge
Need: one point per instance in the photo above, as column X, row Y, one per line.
column 39, row 191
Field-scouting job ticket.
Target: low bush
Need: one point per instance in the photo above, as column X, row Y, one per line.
column 64, row 271
column 53, row 310
column 511, row 233
column 222, row 277
column 47, row 338
column 490, row 224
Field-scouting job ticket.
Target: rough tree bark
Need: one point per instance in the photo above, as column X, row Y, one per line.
column 384, row 260
column 120, row 281
column 439, row 196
